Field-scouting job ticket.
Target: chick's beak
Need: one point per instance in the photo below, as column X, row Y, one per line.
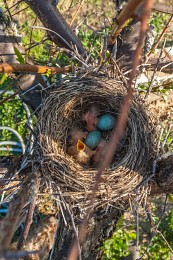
column 80, row 146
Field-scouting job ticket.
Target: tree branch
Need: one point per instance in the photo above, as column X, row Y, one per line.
column 166, row 67
column 28, row 68
column 127, row 12
column 52, row 19
column 9, row 223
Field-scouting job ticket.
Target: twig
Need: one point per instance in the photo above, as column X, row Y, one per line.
column 7, row 8
column 10, row 188
column 126, row 13
column 156, row 67
column 73, row 51
column 10, row 221
column 77, row 11
column 28, row 221
column 18, row 2
column 164, row 209
column 166, row 137
column 75, row 231
column 166, row 67
column 20, row 11
column 160, row 37
column 10, row 97
column 30, row 39
column 5, row 90
column 160, row 233
column 28, row 68
column 165, row 85
column 32, row 45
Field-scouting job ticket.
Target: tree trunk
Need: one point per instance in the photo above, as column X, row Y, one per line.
column 101, row 226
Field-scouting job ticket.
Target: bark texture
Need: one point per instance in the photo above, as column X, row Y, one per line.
column 164, row 174
column 101, row 226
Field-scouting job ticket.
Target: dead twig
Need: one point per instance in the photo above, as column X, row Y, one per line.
column 160, row 37
column 159, row 7
column 20, row 11
column 77, row 11
column 166, row 67
column 28, row 221
column 8, row 10
column 5, row 90
column 9, row 97
column 28, row 68
column 156, row 68
column 9, row 223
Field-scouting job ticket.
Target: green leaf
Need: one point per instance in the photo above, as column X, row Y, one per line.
column 20, row 58
column 3, row 78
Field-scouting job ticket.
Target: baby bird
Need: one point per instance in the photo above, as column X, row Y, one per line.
column 91, row 119
column 99, row 152
column 84, row 153
column 76, row 135
column 80, row 152
column 72, row 150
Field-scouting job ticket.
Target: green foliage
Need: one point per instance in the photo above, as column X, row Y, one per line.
column 20, row 58
column 159, row 21
column 93, row 42
column 12, row 114
column 3, row 78
column 117, row 246
column 159, row 248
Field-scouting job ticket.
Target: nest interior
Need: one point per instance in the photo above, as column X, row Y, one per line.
column 62, row 110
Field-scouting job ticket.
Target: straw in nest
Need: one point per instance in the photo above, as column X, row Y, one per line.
column 62, row 110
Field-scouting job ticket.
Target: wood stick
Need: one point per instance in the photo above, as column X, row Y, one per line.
column 127, row 13
column 10, row 222
column 28, row 68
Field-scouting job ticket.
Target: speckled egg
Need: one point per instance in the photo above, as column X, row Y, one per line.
column 106, row 122
column 92, row 140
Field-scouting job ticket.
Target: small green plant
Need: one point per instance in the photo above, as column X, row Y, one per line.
column 117, row 246
column 162, row 241
column 12, row 114
column 159, row 21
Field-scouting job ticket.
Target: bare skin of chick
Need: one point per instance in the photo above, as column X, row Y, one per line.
column 76, row 135
column 91, row 119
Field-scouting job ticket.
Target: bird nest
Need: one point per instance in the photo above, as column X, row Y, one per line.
column 62, row 111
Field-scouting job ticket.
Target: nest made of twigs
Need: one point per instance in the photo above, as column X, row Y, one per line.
column 62, row 110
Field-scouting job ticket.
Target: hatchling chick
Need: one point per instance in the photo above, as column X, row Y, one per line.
column 91, row 118
column 80, row 152
column 75, row 135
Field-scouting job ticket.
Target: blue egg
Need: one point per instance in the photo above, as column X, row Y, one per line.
column 106, row 122
column 92, row 140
